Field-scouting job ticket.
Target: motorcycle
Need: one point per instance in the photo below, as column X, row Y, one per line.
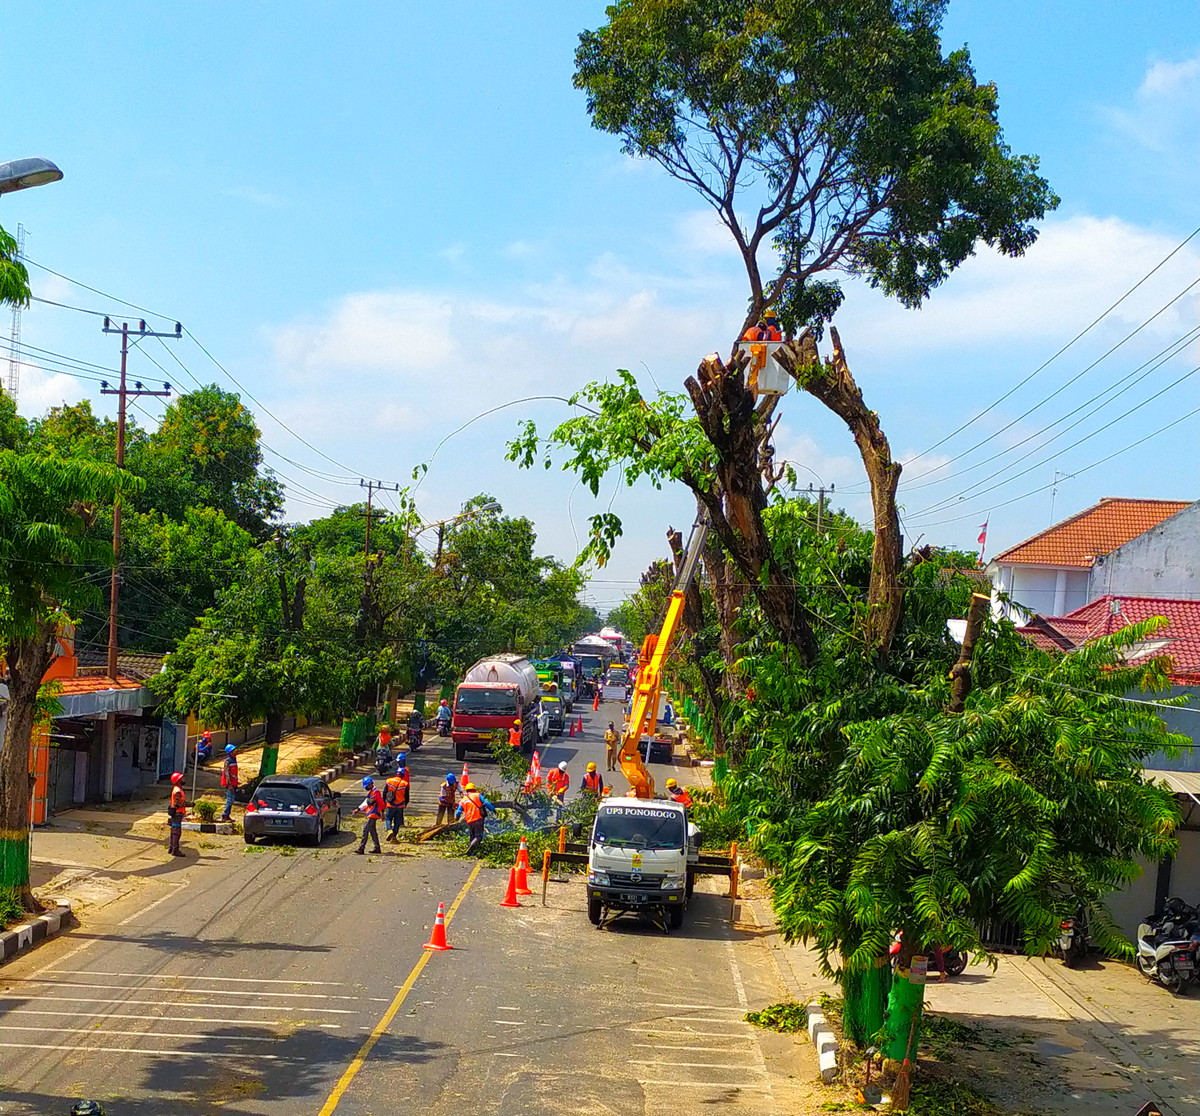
column 1167, row 945
column 412, row 736
column 953, row 961
column 383, row 761
column 443, row 727
column 1072, row 945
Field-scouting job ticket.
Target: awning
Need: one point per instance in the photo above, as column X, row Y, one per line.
column 105, row 701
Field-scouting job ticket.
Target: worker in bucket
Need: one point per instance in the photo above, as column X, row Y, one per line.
column 679, row 794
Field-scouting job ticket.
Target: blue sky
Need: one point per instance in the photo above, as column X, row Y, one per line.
column 386, row 218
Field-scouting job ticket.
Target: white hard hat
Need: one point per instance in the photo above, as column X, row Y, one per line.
column 562, row 766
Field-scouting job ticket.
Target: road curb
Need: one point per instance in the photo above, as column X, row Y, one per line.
column 25, row 935
column 825, row 1042
column 224, row 828
column 346, row 765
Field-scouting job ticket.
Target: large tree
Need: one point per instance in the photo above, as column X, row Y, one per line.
column 46, row 510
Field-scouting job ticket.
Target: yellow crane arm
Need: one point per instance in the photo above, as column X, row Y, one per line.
column 651, row 659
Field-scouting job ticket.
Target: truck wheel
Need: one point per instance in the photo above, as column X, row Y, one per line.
column 691, row 883
column 675, row 917
column 594, row 912
column 460, row 751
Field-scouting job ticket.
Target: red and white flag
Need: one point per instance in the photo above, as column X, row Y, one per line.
column 982, row 540
column 534, row 779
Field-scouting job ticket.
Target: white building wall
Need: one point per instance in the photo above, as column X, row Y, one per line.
column 1161, row 562
column 1049, row 590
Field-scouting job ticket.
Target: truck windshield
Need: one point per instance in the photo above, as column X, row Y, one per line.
column 639, row 828
column 618, row 674
column 486, row 702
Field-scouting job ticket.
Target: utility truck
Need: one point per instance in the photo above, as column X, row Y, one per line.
column 643, row 850
column 641, row 860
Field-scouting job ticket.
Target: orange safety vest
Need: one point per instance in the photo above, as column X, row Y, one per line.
column 514, row 737
column 448, row 795
column 374, row 804
column 558, row 781
column 178, row 799
column 397, row 787
column 472, row 808
column 592, row 782
column 681, row 796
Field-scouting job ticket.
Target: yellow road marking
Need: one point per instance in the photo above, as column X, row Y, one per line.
column 359, row 1059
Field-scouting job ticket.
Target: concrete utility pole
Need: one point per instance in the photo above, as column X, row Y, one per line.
column 372, row 487
column 123, row 394
column 821, row 502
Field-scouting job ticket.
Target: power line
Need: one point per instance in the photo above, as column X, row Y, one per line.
column 1050, row 360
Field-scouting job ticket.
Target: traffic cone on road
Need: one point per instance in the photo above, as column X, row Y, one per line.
column 465, row 777
column 570, row 728
column 523, row 855
column 510, row 896
column 596, row 702
column 437, row 940
column 580, row 728
column 522, row 876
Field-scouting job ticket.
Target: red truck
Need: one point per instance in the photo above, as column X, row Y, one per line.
column 495, row 692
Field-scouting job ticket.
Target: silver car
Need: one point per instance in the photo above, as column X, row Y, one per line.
column 292, row 806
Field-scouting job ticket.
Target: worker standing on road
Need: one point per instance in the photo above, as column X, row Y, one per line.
column 557, row 782
column 395, row 799
column 229, row 779
column 591, row 783
column 447, row 799
column 514, row 735
column 176, row 808
column 371, row 808
column 613, row 743
column 473, row 809
column 679, row 794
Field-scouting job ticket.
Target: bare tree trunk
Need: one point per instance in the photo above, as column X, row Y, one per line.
column 832, row 383
column 28, row 661
column 726, row 412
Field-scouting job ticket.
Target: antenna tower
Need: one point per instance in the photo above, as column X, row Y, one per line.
column 14, row 350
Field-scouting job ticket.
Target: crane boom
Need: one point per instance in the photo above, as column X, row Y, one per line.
column 651, row 659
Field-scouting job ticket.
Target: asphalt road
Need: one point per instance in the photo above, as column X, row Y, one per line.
column 270, row 979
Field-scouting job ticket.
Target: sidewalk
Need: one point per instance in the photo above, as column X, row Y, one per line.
column 94, row 854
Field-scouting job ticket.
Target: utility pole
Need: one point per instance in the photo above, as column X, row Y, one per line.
column 123, row 394
column 372, row 487
column 14, row 348
column 821, row 501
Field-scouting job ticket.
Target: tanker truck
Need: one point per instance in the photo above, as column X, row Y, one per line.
column 495, row 692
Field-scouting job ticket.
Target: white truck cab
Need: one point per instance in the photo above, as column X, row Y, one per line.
column 639, row 859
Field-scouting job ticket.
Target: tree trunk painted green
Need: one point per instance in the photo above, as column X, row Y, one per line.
column 905, row 1004
column 28, row 660
column 347, row 739
column 865, row 1001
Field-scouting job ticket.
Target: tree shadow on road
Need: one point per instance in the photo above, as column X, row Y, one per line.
column 184, row 945
column 240, row 1070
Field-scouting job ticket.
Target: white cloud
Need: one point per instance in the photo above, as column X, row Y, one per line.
column 1165, row 110
column 41, row 389
column 702, row 232
column 1079, row 266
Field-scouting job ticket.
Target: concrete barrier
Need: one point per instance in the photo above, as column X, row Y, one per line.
column 825, row 1042
column 25, row 935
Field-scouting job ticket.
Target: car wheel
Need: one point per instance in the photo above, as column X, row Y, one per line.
column 316, row 839
column 594, row 911
column 337, row 822
column 460, row 751
column 675, row 917
column 247, row 836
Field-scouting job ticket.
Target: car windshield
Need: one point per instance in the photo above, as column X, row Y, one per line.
column 282, row 796
column 639, row 827
column 486, row 701
column 550, row 704
column 618, row 674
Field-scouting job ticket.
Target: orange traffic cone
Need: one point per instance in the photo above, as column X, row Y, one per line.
column 580, row 729
column 570, row 728
column 596, row 702
column 523, row 855
column 510, row 896
column 522, row 878
column 437, row 940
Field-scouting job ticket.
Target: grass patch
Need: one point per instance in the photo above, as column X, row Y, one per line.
column 206, row 809
column 788, row 1017
column 311, row 765
column 934, row 1097
column 10, row 907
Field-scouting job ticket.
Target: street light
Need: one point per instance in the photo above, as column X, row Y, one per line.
column 441, row 524
column 21, row 174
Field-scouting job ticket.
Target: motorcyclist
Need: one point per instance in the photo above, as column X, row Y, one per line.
column 443, row 717
column 383, row 758
column 416, row 724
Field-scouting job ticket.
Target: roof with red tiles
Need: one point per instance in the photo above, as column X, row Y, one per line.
column 94, row 683
column 1099, row 529
column 1180, row 638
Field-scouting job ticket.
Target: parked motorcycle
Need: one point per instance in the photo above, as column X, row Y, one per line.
column 1167, row 944
column 953, row 961
column 1072, row 945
